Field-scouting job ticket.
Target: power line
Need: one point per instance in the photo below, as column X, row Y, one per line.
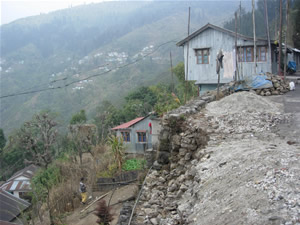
column 88, row 77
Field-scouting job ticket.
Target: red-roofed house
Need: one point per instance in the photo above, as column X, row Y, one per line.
column 137, row 134
column 19, row 183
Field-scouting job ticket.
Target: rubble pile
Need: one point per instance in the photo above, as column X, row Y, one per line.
column 246, row 122
column 206, row 173
column 243, row 101
column 251, row 114
column 279, row 86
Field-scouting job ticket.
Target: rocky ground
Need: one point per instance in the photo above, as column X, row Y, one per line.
column 229, row 164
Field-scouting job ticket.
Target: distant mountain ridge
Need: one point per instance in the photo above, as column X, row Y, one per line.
column 57, row 49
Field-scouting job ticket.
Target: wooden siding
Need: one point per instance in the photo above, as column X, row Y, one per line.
column 134, row 146
column 216, row 40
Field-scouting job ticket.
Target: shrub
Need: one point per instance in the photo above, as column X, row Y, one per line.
column 134, row 164
column 103, row 213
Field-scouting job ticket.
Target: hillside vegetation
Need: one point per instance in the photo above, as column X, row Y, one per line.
column 93, row 53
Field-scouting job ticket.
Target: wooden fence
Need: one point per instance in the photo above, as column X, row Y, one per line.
column 106, row 184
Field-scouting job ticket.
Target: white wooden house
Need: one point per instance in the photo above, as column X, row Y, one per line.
column 204, row 45
column 19, row 183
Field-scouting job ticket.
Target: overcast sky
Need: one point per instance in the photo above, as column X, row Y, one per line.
column 12, row 10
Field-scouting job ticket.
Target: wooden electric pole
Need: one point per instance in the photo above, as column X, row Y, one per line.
column 286, row 34
column 240, row 53
column 237, row 76
column 254, row 34
column 187, row 57
column 280, row 37
column 268, row 35
column 172, row 86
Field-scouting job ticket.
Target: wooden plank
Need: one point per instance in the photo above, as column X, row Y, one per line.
column 98, row 198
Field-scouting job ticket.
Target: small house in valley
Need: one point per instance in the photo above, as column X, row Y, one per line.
column 203, row 46
column 19, row 183
column 138, row 134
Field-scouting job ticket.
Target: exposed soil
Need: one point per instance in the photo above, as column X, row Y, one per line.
column 88, row 217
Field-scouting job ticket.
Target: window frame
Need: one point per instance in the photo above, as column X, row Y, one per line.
column 143, row 137
column 259, row 54
column 126, row 136
column 197, row 50
column 244, row 58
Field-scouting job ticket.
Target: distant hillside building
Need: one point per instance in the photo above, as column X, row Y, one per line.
column 19, row 183
column 204, row 45
column 139, row 134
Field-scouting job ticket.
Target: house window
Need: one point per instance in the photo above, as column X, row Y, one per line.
column 125, row 136
column 246, row 54
column 202, row 56
column 262, row 54
column 141, row 136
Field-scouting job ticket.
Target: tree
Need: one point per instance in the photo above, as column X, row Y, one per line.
column 2, row 140
column 144, row 94
column 178, row 70
column 38, row 137
column 107, row 116
column 42, row 183
column 78, row 118
column 117, row 148
column 296, row 16
column 83, row 137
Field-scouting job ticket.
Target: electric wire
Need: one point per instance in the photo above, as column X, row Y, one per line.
column 88, row 77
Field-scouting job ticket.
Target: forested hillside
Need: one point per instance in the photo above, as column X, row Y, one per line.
column 79, row 57
column 244, row 22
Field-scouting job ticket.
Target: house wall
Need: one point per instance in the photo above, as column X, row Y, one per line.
column 216, row 40
column 16, row 194
column 134, row 146
column 156, row 127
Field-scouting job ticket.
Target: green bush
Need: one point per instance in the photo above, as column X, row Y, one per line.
column 111, row 171
column 134, row 164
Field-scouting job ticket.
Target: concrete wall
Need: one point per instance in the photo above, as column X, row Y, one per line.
column 207, row 87
column 216, row 40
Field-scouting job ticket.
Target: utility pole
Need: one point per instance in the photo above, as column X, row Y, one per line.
column 187, row 57
column 254, row 34
column 237, row 76
column 241, row 59
column 172, row 72
column 286, row 34
column 280, row 37
column 268, row 35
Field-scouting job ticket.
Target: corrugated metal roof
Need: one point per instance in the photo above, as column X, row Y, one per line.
column 128, row 124
column 28, row 172
column 11, row 206
column 17, row 185
column 6, row 223
column 229, row 32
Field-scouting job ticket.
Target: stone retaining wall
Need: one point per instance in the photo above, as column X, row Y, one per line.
column 176, row 136
column 182, row 139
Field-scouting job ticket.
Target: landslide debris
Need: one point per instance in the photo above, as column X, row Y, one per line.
column 244, row 175
column 243, row 102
